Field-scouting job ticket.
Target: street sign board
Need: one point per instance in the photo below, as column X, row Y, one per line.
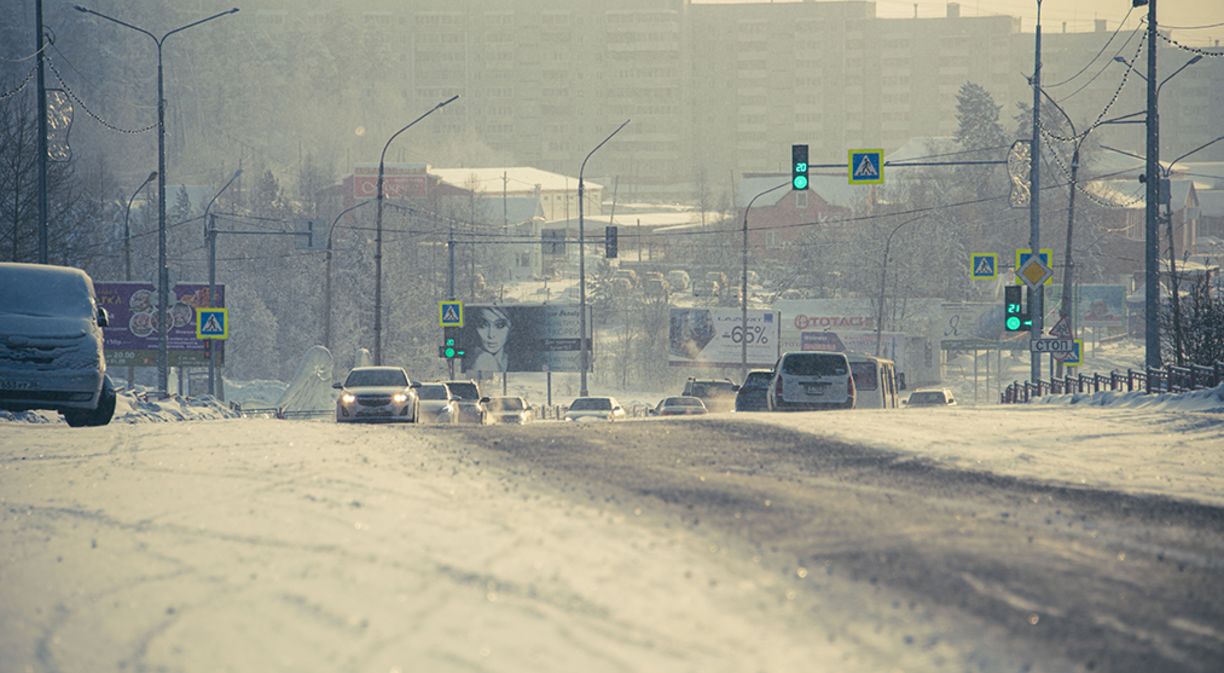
column 1022, row 257
column 714, row 337
column 450, row 314
column 1052, row 345
column 132, row 337
column 984, row 265
column 1075, row 356
column 1034, row 272
column 212, row 323
column 866, row 167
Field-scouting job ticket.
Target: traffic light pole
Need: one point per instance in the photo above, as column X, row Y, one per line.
column 1036, row 308
column 450, row 286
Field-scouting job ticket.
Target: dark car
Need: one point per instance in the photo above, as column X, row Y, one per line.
column 678, row 406
column 753, row 395
column 717, row 394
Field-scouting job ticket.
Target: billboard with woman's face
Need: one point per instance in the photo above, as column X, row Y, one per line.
column 523, row 338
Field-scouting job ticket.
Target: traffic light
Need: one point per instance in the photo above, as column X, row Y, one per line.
column 1015, row 319
column 799, row 166
column 610, row 242
column 450, row 350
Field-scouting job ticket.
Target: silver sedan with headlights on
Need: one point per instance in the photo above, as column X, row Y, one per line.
column 377, row 394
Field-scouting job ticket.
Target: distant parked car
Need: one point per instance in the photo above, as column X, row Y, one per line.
column 471, row 408
column 678, row 279
column 438, row 405
column 811, row 380
column 377, row 394
column 754, row 393
column 679, row 406
column 595, row 409
column 51, row 353
column 513, row 410
column 931, row 397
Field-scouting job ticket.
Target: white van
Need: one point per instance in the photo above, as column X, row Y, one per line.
column 875, row 380
column 809, row 380
column 51, row 344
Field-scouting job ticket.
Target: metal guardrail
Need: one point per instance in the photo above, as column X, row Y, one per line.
column 544, row 412
column 1152, row 380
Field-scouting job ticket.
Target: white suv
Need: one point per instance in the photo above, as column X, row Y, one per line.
column 811, row 380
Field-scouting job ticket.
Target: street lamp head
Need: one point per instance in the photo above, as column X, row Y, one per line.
column 1196, row 59
column 233, row 11
column 1119, row 59
column 80, row 9
column 152, row 177
column 238, row 173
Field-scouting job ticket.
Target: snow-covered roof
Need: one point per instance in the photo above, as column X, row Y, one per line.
column 518, row 179
column 649, row 220
column 835, row 189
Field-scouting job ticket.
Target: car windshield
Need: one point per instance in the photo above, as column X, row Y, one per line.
column 932, row 397
column 363, row 378
column 758, row 380
column 49, row 293
column 682, row 402
column 813, row 364
column 507, row 404
column 591, row 404
column 433, row 392
column 465, row 390
column 864, row 375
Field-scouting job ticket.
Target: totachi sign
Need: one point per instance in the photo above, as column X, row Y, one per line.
column 399, row 181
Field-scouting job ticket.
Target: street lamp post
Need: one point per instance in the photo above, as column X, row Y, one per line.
column 382, row 158
column 211, row 235
column 1037, row 304
column 582, row 316
column 327, row 289
column 163, row 291
column 883, row 282
column 744, row 285
column 127, row 249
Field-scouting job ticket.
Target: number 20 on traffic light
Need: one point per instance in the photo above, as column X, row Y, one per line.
column 799, row 166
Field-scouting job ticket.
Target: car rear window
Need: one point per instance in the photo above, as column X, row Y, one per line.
column 758, row 380
column 592, row 404
column 375, row 377
column 815, row 364
column 865, row 377
column 464, row 391
column 682, row 402
column 927, row 398
column 506, row 404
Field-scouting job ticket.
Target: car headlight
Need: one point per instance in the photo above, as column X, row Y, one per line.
column 348, row 398
column 399, row 398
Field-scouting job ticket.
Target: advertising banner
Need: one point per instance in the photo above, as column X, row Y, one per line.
column 1102, row 305
column 132, row 339
column 712, row 337
column 523, row 338
column 399, row 181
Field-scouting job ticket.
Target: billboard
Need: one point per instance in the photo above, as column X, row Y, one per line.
column 1101, row 305
column 399, row 181
column 712, row 337
column 523, row 338
column 132, row 339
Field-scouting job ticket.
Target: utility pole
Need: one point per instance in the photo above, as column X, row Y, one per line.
column 450, row 283
column 43, row 253
column 1036, row 308
column 1151, row 252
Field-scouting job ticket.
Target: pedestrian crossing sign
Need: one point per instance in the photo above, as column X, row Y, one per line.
column 450, row 314
column 984, row 266
column 212, row 323
column 866, row 167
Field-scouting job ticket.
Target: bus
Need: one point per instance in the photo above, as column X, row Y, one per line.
column 875, row 379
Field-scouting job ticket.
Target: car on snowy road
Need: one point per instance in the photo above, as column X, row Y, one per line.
column 508, row 410
column 753, row 395
column 471, row 404
column 51, row 354
column 438, row 404
column 594, row 409
column 931, row 397
column 377, row 394
column 679, row 406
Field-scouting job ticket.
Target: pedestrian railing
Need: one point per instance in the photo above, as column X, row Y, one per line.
column 1151, row 380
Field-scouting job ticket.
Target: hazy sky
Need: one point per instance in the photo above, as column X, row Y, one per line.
column 1078, row 14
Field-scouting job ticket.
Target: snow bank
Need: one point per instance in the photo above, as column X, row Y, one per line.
column 311, row 389
column 138, row 407
column 1209, row 400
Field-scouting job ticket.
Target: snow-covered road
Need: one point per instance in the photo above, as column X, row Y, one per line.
column 729, row 544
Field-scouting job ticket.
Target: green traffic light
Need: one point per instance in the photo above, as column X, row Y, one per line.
column 449, row 352
column 800, row 182
column 1013, row 323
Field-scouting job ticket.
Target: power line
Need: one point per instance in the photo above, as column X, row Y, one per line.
column 1098, row 54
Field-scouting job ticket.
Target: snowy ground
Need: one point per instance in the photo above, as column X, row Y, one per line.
column 133, row 407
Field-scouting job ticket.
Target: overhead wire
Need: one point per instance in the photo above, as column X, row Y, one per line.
column 1098, row 54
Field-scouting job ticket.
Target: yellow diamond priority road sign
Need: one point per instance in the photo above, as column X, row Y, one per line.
column 1034, row 272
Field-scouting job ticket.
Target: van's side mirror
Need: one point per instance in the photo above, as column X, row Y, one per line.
column 735, row 389
column 338, row 385
column 415, row 384
column 484, row 400
column 103, row 317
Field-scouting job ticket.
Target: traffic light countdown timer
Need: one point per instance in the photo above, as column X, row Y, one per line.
column 799, row 166
column 1015, row 319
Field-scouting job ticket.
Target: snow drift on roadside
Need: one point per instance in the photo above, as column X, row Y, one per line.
column 1208, row 399
column 133, row 407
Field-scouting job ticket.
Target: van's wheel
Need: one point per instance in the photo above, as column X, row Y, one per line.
column 101, row 415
